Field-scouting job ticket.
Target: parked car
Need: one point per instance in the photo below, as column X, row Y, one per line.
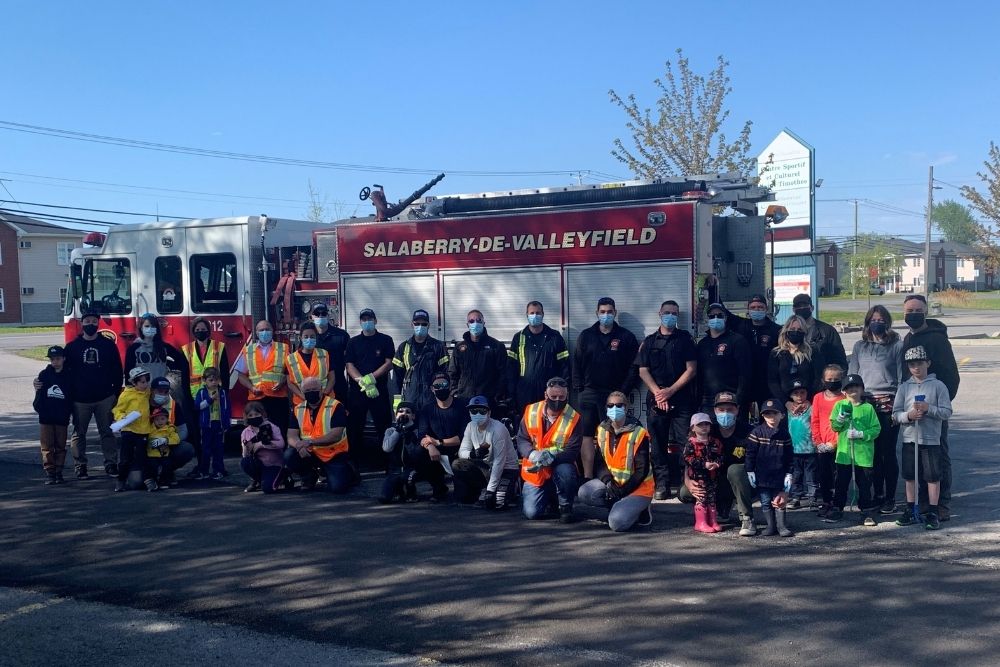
column 875, row 290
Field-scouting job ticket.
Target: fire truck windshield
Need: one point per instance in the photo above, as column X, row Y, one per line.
column 105, row 284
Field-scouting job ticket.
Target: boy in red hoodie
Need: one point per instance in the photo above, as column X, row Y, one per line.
column 824, row 437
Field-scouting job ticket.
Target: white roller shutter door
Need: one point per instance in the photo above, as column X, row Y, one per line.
column 393, row 296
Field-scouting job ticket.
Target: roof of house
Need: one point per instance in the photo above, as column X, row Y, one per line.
column 25, row 226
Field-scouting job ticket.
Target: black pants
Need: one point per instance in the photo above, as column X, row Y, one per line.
column 270, row 478
column 358, row 409
column 885, row 472
column 862, row 480
column 132, row 452
column 825, row 468
column 665, row 430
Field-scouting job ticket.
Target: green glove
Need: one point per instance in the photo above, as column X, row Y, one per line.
column 371, row 391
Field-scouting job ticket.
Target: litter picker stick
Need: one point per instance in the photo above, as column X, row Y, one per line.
column 916, row 466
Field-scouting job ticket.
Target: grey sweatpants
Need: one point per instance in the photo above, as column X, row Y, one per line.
column 623, row 514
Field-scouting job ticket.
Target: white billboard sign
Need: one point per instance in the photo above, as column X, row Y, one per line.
column 786, row 166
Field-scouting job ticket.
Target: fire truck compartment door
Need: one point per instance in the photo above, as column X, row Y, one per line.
column 501, row 294
column 393, row 296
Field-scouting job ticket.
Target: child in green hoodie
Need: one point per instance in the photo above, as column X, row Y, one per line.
column 857, row 426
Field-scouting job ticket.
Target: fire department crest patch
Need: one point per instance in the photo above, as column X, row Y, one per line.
column 614, row 344
column 463, row 347
column 721, row 350
column 765, row 341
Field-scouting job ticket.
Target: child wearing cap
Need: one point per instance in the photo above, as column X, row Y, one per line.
column 857, row 426
column 158, row 443
column 804, row 456
column 823, row 435
column 54, row 406
column 922, row 404
column 131, row 414
column 769, row 466
column 703, row 457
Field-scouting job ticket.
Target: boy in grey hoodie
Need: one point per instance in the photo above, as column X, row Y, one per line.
column 921, row 405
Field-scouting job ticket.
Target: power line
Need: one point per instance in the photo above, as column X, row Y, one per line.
column 100, row 210
column 52, row 216
column 250, row 157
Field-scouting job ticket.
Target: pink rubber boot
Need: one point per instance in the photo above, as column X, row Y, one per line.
column 700, row 519
column 712, row 519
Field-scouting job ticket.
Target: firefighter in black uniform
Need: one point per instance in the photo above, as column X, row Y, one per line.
column 602, row 363
column 761, row 333
column 417, row 359
column 537, row 353
column 724, row 362
column 334, row 340
column 479, row 364
column 369, row 359
column 667, row 362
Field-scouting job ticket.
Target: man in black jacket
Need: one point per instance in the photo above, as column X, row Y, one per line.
column 602, row 362
column 724, row 362
column 417, row 359
column 824, row 338
column 933, row 336
column 537, row 353
column 667, row 362
column 761, row 333
column 479, row 364
column 334, row 340
column 96, row 375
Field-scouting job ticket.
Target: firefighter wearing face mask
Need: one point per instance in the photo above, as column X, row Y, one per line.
column 416, row 361
column 724, row 361
column 203, row 352
column 537, row 353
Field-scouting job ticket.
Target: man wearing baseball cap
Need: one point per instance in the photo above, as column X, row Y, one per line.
column 416, row 361
column 821, row 336
column 369, row 360
column 723, row 360
column 334, row 340
column 761, row 332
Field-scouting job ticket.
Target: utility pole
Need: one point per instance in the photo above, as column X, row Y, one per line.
column 854, row 260
column 927, row 233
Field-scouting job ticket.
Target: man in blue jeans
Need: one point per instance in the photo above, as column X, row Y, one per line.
column 548, row 441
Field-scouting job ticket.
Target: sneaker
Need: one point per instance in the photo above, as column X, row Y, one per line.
column 834, row 515
column 822, row 510
column 217, row 476
column 747, row 528
column 119, row 486
column 794, row 504
column 943, row 513
column 59, row 478
column 869, row 521
column 195, row 475
column 309, row 483
column 251, row 487
column 932, row 521
column 52, row 479
column 888, row 507
column 646, row 518
column 906, row 519
column 662, row 494
column 566, row 514
column 111, row 469
column 81, row 473
column 151, row 485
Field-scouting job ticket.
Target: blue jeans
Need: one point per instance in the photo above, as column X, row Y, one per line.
column 339, row 474
column 623, row 514
column 767, row 494
column 563, row 485
column 803, row 476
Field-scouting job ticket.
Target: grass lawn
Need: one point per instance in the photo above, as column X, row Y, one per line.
column 9, row 330
column 38, row 352
column 855, row 317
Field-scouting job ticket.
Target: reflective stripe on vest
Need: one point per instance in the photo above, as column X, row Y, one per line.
column 319, row 368
column 620, row 461
column 265, row 373
column 197, row 365
column 554, row 440
column 320, row 426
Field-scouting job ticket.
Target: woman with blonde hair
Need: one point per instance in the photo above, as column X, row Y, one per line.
column 793, row 359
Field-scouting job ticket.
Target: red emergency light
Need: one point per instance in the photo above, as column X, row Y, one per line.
column 94, row 239
column 696, row 194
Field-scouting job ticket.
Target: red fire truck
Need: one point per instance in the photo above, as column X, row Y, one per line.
column 692, row 240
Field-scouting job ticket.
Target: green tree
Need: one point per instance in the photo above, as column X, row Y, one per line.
column 876, row 261
column 685, row 135
column 956, row 222
column 988, row 205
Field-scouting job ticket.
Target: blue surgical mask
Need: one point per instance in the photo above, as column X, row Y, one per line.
column 758, row 315
column 478, row 419
column 725, row 419
column 148, row 332
column 717, row 323
column 669, row 320
column 368, row 326
column 321, row 321
column 535, row 319
column 419, row 330
column 476, row 328
column 308, row 343
column 265, row 337
column 616, row 414
column 607, row 319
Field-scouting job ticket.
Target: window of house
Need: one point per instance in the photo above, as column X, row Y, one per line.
column 3, row 304
column 1, row 254
column 106, row 284
column 62, row 294
column 961, row 263
column 916, row 261
column 169, row 295
column 829, row 261
column 63, row 250
column 213, row 283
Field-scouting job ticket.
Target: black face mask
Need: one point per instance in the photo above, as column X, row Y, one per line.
column 442, row 394
column 201, row 336
column 90, row 329
column 554, row 405
column 914, row 320
column 312, row 397
column 804, row 312
column 877, row 328
column 256, row 422
column 795, row 337
column 833, row 385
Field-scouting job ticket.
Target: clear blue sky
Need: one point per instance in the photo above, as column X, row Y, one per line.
column 881, row 90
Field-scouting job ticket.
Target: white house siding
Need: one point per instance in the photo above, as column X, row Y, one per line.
column 40, row 270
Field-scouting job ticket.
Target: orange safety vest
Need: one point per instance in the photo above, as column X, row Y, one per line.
column 620, row 459
column 266, row 372
column 197, row 365
column 554, row 439
column 320, row 426
column 319, row 367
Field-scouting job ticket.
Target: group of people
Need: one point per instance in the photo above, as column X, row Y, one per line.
column 753, row 408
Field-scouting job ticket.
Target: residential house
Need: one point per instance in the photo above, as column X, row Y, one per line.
column 828, row 268
column 952, row 265
column 34, row 269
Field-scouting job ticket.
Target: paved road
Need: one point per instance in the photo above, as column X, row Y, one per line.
column 454, row 584
column 20, row 341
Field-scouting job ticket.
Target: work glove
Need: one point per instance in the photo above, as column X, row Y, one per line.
column 534, row 455
column 612, row 493
column 788, row 482
column 371, row 391
column 366, row 381
column 855, row 434
column 841, row 418
column 752, row 476
column 825, row 448
column 204, row 405
column 546, row 458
